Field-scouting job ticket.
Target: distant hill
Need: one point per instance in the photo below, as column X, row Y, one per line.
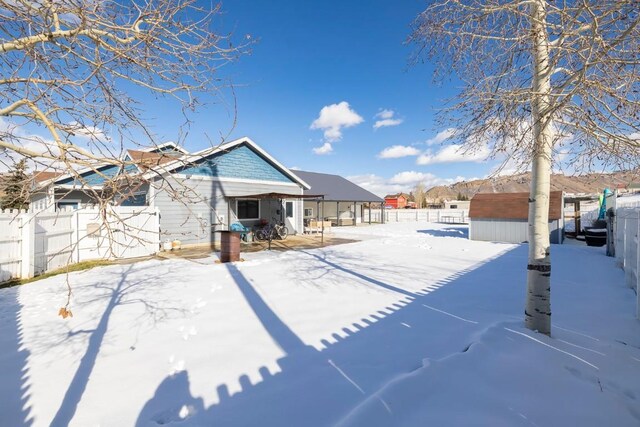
column 591, row 183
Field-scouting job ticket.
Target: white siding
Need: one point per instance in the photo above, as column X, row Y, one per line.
column 192, row 209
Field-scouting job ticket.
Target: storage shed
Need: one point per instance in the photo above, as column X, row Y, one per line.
column 503, row 217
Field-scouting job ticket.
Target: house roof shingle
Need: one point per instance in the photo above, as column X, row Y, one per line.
column 510, row 206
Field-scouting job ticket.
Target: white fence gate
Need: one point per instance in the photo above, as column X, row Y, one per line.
column 34, row 243
column 627, row 247
column 10, row 245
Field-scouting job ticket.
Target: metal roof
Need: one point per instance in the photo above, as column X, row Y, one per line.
column 336, row 188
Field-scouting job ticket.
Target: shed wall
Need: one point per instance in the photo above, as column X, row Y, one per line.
column 509, row 230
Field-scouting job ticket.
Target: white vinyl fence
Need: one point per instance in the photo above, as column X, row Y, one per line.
column 627, row 247
column 414, row 215
column 34, row 243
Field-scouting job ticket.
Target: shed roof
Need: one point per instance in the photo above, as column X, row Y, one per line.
column 336, row 188
column 510, row 206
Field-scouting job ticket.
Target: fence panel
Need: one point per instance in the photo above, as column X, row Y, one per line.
column 425, row 215
column 10, row 245
column 53, row 240
column 128, row 232
column 627, row 247
column 37, row 242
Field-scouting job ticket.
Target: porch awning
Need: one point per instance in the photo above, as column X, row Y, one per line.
column 278, row 196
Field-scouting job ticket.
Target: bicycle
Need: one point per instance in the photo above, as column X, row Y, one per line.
column 281, row 230
column 272, row 232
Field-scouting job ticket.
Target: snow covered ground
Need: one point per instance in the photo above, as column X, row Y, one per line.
column 413, row 325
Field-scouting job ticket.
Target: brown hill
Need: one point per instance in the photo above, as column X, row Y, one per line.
column 590, row 183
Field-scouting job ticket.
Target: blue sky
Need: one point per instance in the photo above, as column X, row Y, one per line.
column 329, row 88
column 353, row 62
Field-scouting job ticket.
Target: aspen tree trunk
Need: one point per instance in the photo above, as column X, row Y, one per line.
column 538, row 304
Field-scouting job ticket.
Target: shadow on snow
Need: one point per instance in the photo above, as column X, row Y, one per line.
column 318, row 387
column 461, row 232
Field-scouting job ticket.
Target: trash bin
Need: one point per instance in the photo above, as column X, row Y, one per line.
column 229, row 246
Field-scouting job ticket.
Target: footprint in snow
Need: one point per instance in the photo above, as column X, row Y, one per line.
column 199, row 304
column 188, row 334
column 176, row 365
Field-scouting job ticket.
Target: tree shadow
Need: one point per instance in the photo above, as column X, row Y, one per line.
column 122, row 293
column 319, row 386
column 14, row 385
column 171, row 403
column 460, row 232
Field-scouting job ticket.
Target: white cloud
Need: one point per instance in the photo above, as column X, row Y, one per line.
column 386, row 119
column 335, row 117
column 441, row 137
column 400, row 182
column 376, row 184
column 22, row 138
column 452, row 154
column 412, row 178
column 385, row 114
column 88, row 132
column 396, row 151
column 325, row 148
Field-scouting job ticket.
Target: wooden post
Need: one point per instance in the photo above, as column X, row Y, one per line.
column 322, row 232
column 355, row 214
column 27, row 263
column 576, row 216
column 638, row 266
column 369, row 213
column 337, row 214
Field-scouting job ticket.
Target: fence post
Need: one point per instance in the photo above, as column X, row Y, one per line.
column 28, row 250
column 156, row 227
column 638, row 266
column 75, row 223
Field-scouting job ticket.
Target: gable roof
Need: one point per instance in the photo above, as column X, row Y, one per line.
column 194, row 158
column 397, row 195
column 510, row 206
column 154, row 161
column 45, row 176
column 336, row 188
column 149, row 159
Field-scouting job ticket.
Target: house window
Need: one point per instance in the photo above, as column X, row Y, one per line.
column 136, row 199
column 67, row 205
column 248, row 209
column 308, row 212
column 453, row 207
column 288, row 208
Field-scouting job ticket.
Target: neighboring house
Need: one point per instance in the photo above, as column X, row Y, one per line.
column 344, row 202
column 396, row 201
column 196, row 194
column 503, row 217
column 457, row 204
